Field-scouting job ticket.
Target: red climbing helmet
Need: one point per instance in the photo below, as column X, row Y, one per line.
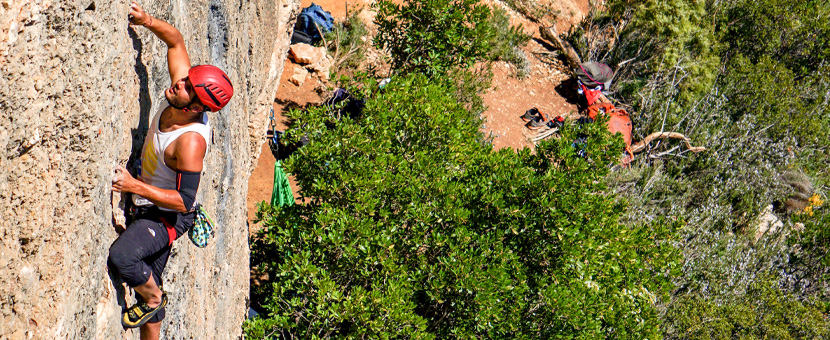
column 212, row 86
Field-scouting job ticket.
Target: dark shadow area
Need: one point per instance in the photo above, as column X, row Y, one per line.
column 567, row 89
column 544, row 43
column 137, row 133
column 144, row 103
column 549, row 47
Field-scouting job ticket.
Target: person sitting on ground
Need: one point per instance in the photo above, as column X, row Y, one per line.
column 171, row 163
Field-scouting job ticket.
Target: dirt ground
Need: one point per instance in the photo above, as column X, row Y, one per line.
column 545, row 87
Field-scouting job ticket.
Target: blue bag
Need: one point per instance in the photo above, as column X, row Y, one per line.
column 310, row 19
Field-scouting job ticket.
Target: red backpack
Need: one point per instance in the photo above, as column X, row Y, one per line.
column 618, row 121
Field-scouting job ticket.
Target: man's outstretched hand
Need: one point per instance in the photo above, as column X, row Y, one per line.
column 138, row 17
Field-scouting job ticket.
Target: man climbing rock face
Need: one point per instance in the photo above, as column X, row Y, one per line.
column 171, row 164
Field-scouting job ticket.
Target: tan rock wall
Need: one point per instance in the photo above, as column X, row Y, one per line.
column 77, row 89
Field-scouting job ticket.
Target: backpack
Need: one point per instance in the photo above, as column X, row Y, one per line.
column 310, row 19
column 618, row 121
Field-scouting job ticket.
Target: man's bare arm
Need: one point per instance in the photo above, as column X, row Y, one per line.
column 190, row 152
column 178, row 62
column 169, row 199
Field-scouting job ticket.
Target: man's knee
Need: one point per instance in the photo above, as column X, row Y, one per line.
column 128, row 263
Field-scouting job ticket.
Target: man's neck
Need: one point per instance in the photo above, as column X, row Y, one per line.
column 174, row 118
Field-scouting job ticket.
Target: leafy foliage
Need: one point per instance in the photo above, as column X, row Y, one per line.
column 811, row 258
column 507, row 43
column 415, row 228
column 432, row 37
column 764, row 312
column 747, row 80
column 672, row 43
column 795, row 34
column 438, row 36
column 758, row 117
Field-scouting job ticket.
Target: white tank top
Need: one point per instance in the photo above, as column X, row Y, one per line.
column 153, row 170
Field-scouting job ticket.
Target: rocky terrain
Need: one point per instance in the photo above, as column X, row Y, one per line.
column 77, row 89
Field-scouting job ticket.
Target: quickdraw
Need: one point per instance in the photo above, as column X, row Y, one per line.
column 273, row 136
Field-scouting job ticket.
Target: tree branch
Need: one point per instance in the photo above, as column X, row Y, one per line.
column 641, row 146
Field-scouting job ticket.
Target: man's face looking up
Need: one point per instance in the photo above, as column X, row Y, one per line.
column 182, row 96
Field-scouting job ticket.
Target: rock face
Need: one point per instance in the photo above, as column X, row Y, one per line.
column 77, row 90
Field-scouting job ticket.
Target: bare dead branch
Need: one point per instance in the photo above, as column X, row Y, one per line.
column 640, row 146
column 550, row 34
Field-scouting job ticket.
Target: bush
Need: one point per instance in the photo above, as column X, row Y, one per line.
column 508, row 42
column 810, row 258
column 415, row 228
column 438, row 36
column 795, row 34
column 347, row 42
column 747, row 80
column 763, row 313
column 757, row 116
column 670, row 46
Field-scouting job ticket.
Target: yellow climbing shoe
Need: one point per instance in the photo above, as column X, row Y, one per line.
column 139, row 313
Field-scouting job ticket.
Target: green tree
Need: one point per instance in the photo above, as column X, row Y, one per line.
column 763, row 312
column 436, row 36
column 796, row 34
column 416, row 228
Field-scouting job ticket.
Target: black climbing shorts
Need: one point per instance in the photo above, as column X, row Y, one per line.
column 142, row 250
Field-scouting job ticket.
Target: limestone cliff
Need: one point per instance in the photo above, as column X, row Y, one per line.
column 78, row 87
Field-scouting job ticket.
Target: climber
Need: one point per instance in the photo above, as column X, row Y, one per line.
column 168, row 176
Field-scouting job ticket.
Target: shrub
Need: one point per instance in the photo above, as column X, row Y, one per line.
column 764, row 312
column 436, row 36
column 810, row 261
column 415, row 228
column 347, row 42
column 508, row 42
column 670, row 45
column 795, row 34
column 758, row 117
column 747, row 80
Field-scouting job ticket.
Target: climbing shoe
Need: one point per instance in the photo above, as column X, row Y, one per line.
column 531, row 115
column 140, row 313
column 536, row 123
